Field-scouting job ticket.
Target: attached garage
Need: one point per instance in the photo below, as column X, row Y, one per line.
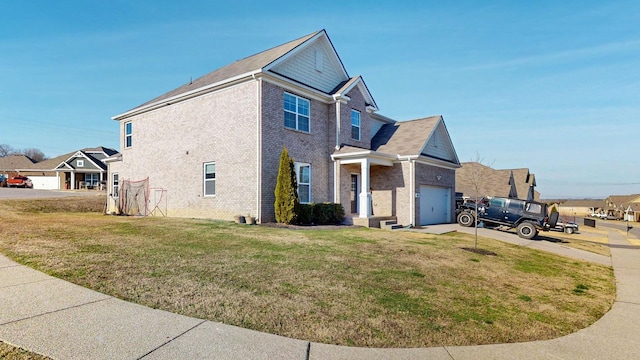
column 435, row 205
column 44, row 182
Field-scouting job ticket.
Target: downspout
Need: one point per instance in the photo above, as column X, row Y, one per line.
column 337, row 100
column 412, row 195
column 258, row 147
column 336, row 163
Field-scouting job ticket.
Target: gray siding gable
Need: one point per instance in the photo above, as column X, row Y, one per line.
column 439, row 145
column 316, row 65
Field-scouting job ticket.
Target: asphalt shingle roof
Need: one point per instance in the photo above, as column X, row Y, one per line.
column 239, row 67
column 13, row 162
column 404, row 137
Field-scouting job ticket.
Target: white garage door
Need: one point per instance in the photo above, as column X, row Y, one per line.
column 435, row 205
column 44, row 182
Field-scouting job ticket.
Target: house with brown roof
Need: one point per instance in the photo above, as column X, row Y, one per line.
column 475, row 179
column 212, row 146
column 625, row 207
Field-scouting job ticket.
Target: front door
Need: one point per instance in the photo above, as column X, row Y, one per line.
column 354, row 193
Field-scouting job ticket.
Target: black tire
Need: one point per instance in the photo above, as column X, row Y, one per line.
column 569, row 230
column 553, row 219
column 466, row 219
column 527, row 230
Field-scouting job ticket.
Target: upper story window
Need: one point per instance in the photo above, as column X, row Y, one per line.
column 128, row 134
column 303, row 175
column 80, row 163
column 296, row 112
column 355, row 125
column 209, row 179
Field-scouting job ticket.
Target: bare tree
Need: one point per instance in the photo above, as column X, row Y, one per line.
column 479, row 185
column 6, row 150
column 35, row 154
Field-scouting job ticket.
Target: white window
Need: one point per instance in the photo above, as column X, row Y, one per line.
column 355, row 125
column 128, row 134
column 80, row 163
column 209, row 179
column 116, row 186
column 296, row 112
column 303, row 176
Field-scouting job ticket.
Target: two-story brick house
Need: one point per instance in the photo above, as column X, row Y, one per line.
column 213, row 145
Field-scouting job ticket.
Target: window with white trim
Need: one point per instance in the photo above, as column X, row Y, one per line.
column 209, row 183
column 296, row 112
column 303, row 176
column 355, row 125
column 115, row 185
column 80, row 163
column 128, row 134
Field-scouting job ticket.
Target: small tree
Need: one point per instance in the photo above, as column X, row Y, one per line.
column 286, row 195
column 478, row 182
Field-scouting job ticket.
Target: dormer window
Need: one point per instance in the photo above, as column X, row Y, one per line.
column 80, row 163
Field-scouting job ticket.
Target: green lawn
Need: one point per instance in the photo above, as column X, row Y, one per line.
column 349, row 286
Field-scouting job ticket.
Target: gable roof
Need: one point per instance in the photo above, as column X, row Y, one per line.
column 344, row 87
column 13, row 162
column 406, row 138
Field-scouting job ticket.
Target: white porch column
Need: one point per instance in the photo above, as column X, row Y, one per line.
column 364, row 199
column 73, row 180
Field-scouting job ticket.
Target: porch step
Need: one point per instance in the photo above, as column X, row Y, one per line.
column 390, row 225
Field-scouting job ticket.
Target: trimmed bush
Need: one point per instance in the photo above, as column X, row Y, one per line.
column 319, row 214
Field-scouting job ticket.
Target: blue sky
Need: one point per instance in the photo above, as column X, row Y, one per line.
column 549, row 85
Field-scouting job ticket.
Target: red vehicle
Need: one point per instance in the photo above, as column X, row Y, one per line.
column 20, row 181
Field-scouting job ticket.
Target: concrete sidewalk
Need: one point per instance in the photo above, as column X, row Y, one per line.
column 65, row 321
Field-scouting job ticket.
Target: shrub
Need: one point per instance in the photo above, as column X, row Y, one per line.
column 285, row 192
column 319, row 214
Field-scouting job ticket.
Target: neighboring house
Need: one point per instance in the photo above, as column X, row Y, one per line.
column 626, row 207
column 511, row 183
column 213, row 145
column 76, row 170
column 9, row 164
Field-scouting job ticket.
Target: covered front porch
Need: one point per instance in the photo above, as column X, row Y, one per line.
column 359, row 189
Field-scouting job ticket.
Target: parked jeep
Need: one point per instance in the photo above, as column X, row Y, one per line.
column 527, row 217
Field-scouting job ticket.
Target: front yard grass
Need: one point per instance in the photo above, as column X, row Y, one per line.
column 349, row 286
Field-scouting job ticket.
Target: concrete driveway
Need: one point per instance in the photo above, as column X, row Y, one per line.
column 19, row 193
